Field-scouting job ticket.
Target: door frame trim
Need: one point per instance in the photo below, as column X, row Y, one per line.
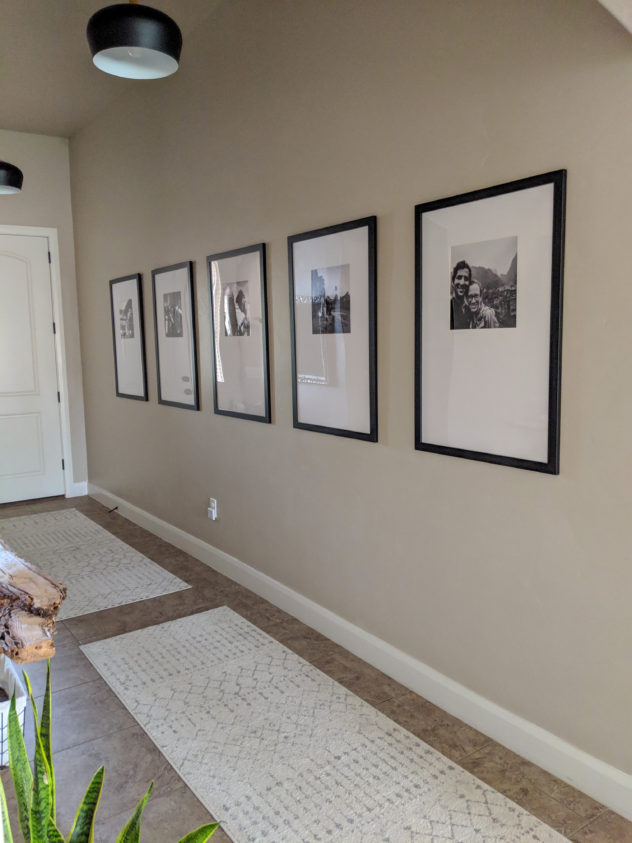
column 70, row 487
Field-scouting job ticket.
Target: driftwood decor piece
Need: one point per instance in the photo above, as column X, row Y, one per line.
column 29, row 602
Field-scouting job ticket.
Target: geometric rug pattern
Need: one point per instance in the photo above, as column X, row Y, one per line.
column 280, row 752
column 99, row 570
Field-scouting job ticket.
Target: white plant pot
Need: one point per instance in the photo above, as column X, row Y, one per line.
column 10, row 682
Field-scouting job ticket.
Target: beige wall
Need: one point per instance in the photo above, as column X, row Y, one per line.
column 288, row 115
column 45, row 202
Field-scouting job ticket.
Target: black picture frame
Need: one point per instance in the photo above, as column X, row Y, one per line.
column 128, row 337
column 509, row 411
column 175, row 335
column 342, row 256
column 239, row 352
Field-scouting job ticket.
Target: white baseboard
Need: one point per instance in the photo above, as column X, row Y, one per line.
column 603, row 782
column 76, row 490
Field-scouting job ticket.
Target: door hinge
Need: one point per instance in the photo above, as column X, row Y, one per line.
column 49, row 260
column 63, row 465
column 54, row 328
column 58, row 398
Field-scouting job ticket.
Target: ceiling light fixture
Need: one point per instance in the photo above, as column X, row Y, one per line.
column 11, row 178
column 134, row 41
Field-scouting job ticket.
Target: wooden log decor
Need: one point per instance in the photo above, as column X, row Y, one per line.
column 29, row 602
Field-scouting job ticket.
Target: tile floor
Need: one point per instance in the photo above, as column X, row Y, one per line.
column 91, row 726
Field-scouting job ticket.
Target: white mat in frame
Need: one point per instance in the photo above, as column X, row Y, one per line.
column 279, row 751
column 99, row 570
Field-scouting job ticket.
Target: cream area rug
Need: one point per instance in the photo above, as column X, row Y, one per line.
column 99, row 570
column 279, row 752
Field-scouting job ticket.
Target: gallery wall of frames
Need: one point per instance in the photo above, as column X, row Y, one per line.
column 488, row 327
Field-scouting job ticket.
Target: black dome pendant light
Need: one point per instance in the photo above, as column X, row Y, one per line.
column 11, row 178
column 134, row 41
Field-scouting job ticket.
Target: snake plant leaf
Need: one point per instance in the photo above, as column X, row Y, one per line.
column 29, row 691
column 20, row 771
column 82, row 830
column 45, row 732
column 54, row 834
column 40, row 796
column 40, row 793
column 201, row 834
column 7, row 837
column 130, row 833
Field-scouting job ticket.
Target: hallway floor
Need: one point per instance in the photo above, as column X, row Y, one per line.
column 92, row 727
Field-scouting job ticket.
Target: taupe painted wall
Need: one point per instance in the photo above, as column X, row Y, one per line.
column 45, row 201
column 288, row 115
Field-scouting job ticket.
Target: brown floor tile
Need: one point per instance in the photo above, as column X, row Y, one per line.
column 85, row 712
column 302, row 639
column 447, row 734
column 414, row 712
column 544, row 807
column 256, row 610
column 167, row 818
column 502, row 768
column 132, row 616
column 63, row 636
column 560, row 806
column 362, row 679
column 68, row 667
column 608, row 828
column 131, row 761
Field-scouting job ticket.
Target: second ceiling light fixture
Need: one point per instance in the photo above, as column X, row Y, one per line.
column 134, row 41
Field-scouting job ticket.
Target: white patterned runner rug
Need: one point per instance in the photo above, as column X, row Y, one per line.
column 99, row 570
column 279, row 752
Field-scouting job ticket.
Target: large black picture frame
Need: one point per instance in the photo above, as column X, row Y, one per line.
column 175, row 333
column 241, row 367
column 334, row 337
column 128, row 337
column 491, row 395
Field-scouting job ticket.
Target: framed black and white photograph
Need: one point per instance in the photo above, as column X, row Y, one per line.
column 128, row 336
column 239, row 327
column 176, row 347
column 333, row 322
column 488, row 331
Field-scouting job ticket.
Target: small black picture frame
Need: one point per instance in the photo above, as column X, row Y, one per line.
column 173, row 292
column 333, row 322
column 239, row 333
column 128, row 337
column 491, row 259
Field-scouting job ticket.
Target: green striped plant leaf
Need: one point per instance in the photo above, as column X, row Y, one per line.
column 29, row 691
column 82, row 830
column 40, row 794
column 130, row 833
column 201, row 834
column 54, row 834
column 45, row 732
column 20, row 771
column 7, row 837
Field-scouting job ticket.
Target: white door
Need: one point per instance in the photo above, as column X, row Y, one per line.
column 30, row 428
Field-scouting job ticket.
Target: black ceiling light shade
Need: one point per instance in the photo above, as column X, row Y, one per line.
column 11, row 178
column 134, row 41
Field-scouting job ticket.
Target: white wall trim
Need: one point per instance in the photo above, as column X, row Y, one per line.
column 602, row 781
column 60, row 346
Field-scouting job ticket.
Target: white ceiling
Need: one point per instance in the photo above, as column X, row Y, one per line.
column 48, row 84
column 621, row 9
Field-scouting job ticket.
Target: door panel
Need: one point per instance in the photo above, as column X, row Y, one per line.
column 30, row 430
column 26, row 454
column 16, row 327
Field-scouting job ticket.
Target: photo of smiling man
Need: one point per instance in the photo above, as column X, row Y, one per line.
column 459, row 311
